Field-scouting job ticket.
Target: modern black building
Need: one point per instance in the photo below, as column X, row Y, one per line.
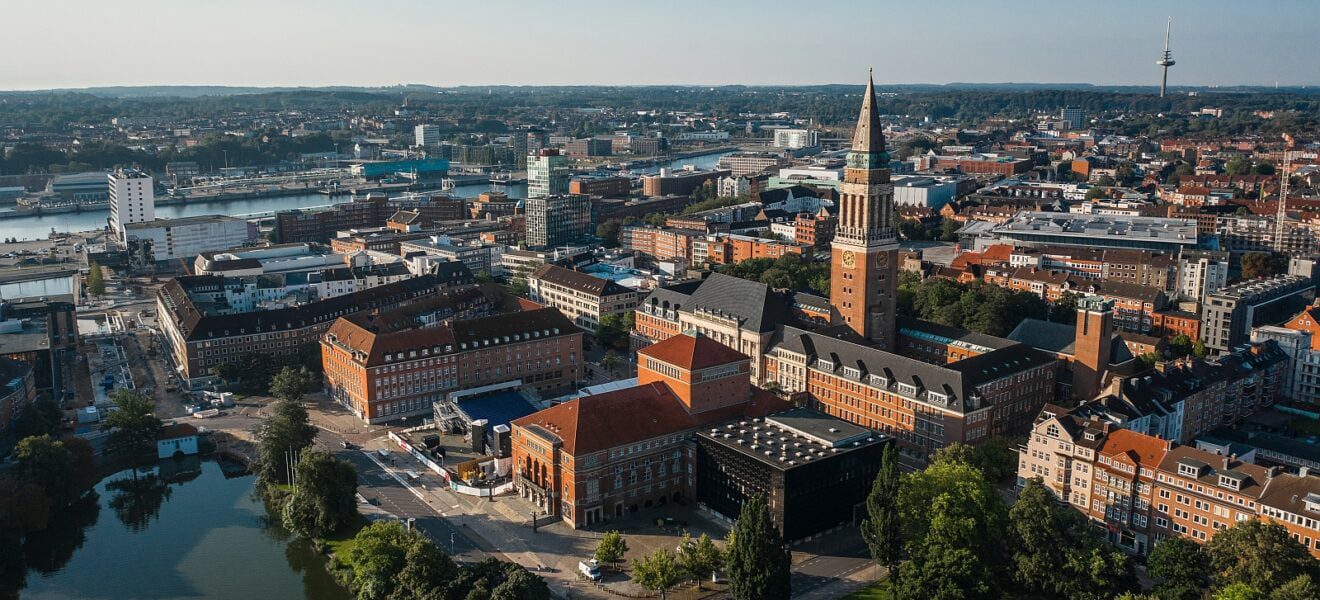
column 815, row 470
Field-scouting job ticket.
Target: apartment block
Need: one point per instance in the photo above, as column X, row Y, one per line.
column 1229, row 313
column 582, row 298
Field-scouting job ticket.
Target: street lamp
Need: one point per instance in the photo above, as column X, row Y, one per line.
column 451, row 542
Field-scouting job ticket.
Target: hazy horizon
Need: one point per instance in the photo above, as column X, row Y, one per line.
column 307, row 43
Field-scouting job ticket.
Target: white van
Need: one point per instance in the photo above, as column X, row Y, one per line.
column 589, row 569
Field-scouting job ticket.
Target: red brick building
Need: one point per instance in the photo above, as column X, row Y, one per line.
column 397, row 364
column 606, row 456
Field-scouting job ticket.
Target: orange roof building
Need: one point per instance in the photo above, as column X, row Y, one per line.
column 604, row 456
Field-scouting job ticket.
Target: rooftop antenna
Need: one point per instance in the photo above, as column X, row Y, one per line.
column 1166, row 59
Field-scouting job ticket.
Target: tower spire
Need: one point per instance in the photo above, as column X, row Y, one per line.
column 869, row 136
column 1166, row 59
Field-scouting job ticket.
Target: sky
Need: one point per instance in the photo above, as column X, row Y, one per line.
column 88, row 43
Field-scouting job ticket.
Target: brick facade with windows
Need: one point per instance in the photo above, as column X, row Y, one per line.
column 609, row 455
column 394, row 365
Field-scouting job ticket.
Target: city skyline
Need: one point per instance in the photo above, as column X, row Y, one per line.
column 298, row 43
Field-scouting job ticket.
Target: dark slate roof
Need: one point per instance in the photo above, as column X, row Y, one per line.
column 579, row 281
column 194, row 324
column 760, row 308
column 795, row 191
column 1183, row 378
column 957, row 380
column 1057, row 337
column 503, row 329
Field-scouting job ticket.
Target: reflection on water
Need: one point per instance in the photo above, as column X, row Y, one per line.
column 185, row 531
column 39, row 226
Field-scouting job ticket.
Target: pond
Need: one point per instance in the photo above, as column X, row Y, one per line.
column 183, row 530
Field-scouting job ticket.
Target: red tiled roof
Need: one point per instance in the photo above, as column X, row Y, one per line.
column 1140, row 449
column 599, row 422
column 177, row 430
column 693, row 352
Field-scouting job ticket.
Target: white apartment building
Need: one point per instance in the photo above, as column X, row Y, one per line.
column 1201, row 273
column 427, row 135
column 188, row 237
column 796, row 138
column 132, row 199
column 1302, row 376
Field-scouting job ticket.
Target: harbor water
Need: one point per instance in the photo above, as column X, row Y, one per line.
column 39, row 226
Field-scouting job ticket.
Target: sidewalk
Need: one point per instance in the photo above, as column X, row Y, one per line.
column 505, row 523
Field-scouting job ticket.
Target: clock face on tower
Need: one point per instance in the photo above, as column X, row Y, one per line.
column 849, row 259
column 881, row 259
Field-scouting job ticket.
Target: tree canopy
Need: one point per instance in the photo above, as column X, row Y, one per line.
column 324, row 495
column 977, row 306
column 284, row 434
column 789, row 271
column 758, row 561
column 132, row 426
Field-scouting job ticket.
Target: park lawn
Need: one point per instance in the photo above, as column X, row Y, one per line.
column 341, row 541
column 879, row 590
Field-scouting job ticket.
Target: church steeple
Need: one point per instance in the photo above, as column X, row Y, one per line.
column 869, row 136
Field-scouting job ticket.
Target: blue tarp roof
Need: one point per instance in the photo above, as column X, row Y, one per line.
column 498, row 408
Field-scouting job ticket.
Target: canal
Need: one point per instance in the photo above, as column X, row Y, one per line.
column 39, row 226
column 185, row 532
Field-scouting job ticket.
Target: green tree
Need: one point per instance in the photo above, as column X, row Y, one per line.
column 95, row 279
column 758, row 561
column 324, row 495
column 227, row 371
column 1181, row 566
column 425, row 573
column 1181, row 345
column 1261, row 264
column 882, row 527
column 659, row 571
column 949, row 230
column 291, row 384
column 1303, row 587
column 699, row 559
column 1145, row 362
column 42, row 417
column 610, row 549
column 944, row 563
column 614, row 332
column 1180, row 171
column 1238, row 166
column 46, row 463
column 1259, row 554
column 1038, row 540
column 520, row 584
column 608, row 232
column 376, row 557
column 1094, row 193
column 777, row 278
column 132, row 426
column 284, row 434
column 1239, row 591
column 611, row 360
